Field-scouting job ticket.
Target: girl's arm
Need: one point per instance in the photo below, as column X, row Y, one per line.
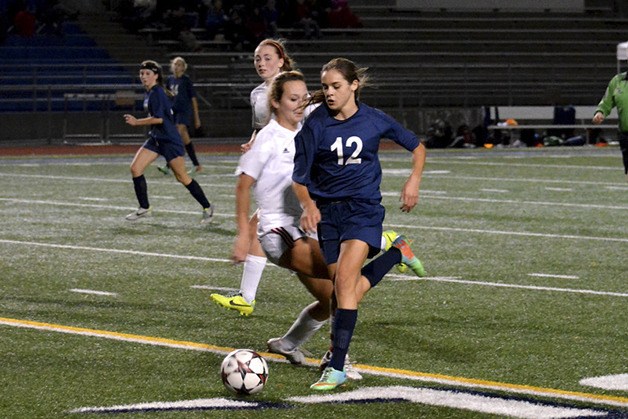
column 133, row 121
column 197, row 118
column 311, row 215
column 243, row 205
column 410, row 192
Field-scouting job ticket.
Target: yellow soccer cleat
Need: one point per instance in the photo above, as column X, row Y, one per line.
column 234, row 302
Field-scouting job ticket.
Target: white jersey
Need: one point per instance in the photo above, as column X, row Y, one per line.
column 259, row 106
column 270, row 162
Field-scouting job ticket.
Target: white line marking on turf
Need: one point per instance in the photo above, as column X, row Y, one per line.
column 617, row 188
column 367, row 369
column 401, row 277
column 511, row 164
column 547, row 188
column 209, row 287
column 502, row 285
column 218, row 403
column 456, row 400
column 94, row 292
column 534, row 180
column 494, row 190
column 510, row 233
column 607, row 382
column 540, row 275
column 111, row 207
column 517, row 202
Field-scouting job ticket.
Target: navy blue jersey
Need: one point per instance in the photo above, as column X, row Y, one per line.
column 183, row 90
column 338, row 160
column 158, row 105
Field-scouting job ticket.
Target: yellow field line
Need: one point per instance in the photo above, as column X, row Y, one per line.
column 369, row 369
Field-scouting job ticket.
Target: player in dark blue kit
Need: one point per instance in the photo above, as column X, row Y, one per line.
column 163, row 139
column 185, row 108
column 337, row 178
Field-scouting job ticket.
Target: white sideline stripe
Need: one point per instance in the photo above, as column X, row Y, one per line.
column 535, row 180
column 457, row 280
column 547, row 188
column 434, row 195
column 109, row 180
column 399, row 277
column 514, row 201
column 209, row 287
column 446, row 398
column 467, row 230
column 495, row 190
column 94, row 292
column 367, row 369
column 218, row 403
column 111, row 207
column 617, row 188
column 127, row 252
column 541, row 275
column 510, row 164
column 510, row 233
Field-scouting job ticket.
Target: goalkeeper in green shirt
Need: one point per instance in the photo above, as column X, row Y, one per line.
column 616, row 96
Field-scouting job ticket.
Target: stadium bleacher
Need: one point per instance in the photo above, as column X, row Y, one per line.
column 418, row 59
column 42, row 73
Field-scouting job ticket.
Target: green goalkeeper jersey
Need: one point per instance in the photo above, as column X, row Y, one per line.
column 616, row 96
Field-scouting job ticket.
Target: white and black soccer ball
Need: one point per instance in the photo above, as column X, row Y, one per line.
column 244, row 372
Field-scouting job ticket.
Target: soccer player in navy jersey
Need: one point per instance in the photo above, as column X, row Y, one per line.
column 185, row 107
column 337, row 178
column 163, row 139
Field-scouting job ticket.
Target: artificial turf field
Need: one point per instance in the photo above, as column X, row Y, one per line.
column 526, row 294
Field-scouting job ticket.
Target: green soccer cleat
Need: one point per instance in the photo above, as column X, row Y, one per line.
column 408, row 257
column 391, row 236
column 234, row 302
column 349, row 369
column 330, row 379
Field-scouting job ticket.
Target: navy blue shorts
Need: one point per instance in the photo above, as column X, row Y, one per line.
column 349, row 220
column 167, row 148
column 184, row 118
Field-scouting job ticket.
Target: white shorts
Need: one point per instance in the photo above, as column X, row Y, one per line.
column 279, row 240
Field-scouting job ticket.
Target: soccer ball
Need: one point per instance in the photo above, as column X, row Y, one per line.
column 244, row 372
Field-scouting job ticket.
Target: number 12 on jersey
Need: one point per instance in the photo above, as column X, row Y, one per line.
column 338, row 147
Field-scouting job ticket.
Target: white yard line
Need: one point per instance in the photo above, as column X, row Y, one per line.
column 509, row 233
column 394, row 276
column 93, row 292
column 541, row 275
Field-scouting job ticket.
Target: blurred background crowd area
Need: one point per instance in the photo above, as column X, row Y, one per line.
column 68, row 68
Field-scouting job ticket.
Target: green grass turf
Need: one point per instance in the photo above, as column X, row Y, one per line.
column 488, row 217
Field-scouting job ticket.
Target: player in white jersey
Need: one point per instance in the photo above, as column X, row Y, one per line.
column 270, row 59
column 267, row 168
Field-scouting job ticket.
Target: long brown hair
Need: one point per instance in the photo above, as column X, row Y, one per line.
column 350, row 72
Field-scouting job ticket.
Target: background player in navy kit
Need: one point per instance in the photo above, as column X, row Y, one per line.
column 185, row 108
column 337, row 178
column 163, row 139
